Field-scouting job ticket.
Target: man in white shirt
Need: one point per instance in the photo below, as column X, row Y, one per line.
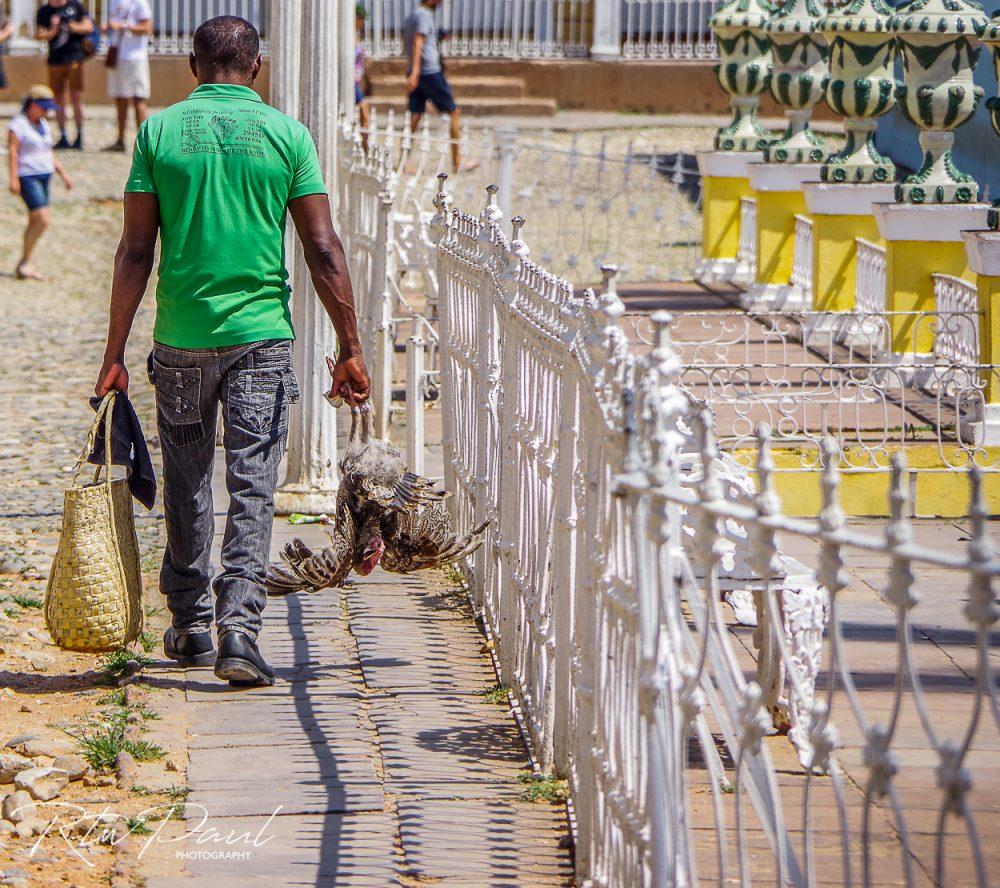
column 130, row 24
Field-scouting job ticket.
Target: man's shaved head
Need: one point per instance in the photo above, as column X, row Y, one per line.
column 227, row 45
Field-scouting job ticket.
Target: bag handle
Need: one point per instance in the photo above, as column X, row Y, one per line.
column 104, row 412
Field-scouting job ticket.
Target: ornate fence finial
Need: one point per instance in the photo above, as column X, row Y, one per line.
column 609, row 282
column 744, row 70
column 799, row 79
column 492, row 212
column 899, row 533
column 940, row 44
column 442, row 204
column 767, row 504
column 861, row 55
column 517, row 251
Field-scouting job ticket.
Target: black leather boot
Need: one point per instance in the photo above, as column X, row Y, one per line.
column 189, row 650
column 240, row 663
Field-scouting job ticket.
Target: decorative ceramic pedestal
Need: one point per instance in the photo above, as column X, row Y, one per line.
column 921, row 241
column 778, row 189
column 724, row 180
column 982, row 250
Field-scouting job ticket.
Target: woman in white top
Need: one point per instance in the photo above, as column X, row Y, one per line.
column 130, row 26
column 32, row 163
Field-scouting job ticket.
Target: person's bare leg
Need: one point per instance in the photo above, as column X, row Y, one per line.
column 60, row 97
column 77, row 98
column 415, row 120
column 456, row 135
column 121, row 106
column 141, row 111
column 38, row 221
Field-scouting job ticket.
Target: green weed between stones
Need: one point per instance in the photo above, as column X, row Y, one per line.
column 28, row 602
column 101, row 743
column 118, row 663
column 543, row 787
column 496, row 694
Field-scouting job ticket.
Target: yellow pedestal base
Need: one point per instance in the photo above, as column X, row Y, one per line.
column 939, row 491
column 720, row 215
column 835, row 259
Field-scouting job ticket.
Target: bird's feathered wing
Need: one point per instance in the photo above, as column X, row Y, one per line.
column 303, row 570
column 424, row 537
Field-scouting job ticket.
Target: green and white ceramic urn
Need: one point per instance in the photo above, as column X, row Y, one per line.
column 991, row 38
column 744, row 71
column 861, row 53
column 799, row 79
column 940, row 43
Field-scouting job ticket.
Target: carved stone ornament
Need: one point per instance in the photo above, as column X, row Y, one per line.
column 799, row 79
column 860, row 54
column 939, row 40
column 744, row 71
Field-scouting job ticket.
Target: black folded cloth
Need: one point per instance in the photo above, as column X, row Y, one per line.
column 128, row 448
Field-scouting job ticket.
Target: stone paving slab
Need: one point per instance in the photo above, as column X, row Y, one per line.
column 501, row 843
column 345, row 850
column 389, row 766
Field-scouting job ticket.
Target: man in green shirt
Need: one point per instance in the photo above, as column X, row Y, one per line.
column 215, row 177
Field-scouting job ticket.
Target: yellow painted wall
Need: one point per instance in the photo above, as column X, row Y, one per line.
column 909, row 286
column 835, row 258
column 989, row 331
column 938, row 491
column 776, row 234
column 720, row 215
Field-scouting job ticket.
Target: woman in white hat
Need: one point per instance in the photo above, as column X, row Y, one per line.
column 32, row 163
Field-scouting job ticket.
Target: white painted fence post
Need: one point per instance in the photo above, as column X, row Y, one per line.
column 381, row 303
column 607, row 31
column 311, row 480
column 415, row 404
column 505, row 138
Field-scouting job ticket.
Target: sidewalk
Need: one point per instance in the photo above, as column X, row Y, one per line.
column 376, row 747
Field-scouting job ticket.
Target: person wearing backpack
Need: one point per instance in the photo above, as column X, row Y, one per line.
column 67, row 28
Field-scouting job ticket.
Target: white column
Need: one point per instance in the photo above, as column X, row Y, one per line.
column 22, row 15
column 311, row 480
column 607, row 31
column 285, row 34
column 347, row 42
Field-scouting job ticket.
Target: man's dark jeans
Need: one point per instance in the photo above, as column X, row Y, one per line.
column 254, row 383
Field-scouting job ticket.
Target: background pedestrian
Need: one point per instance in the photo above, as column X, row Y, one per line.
column 32, row 163
column 66, row 25
column 130, row 26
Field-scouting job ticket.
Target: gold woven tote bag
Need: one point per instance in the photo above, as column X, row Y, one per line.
column 94, row 597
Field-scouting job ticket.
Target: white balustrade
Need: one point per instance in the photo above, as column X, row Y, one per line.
column 746, row 247
column 601, row 580
column 667, row 29
column 870, row 278
column 956, row 334
column 802, row 258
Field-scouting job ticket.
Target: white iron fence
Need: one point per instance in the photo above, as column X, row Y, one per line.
column 602, row 581
column 525, row 29
column 746, row 248
column 590, row 205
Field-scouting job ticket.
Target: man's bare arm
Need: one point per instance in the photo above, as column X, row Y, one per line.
column 133, row 266
column 328, row 268
column 413, row 79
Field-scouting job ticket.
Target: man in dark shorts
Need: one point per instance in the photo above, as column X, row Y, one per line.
column 425, row 80
column 65, row 25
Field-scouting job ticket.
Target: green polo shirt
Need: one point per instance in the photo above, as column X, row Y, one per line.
column 224, row 166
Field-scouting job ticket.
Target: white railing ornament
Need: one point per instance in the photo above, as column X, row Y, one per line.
column 442, row 206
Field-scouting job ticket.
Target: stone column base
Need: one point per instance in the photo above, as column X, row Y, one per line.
column 724, row 181
column 305, row 500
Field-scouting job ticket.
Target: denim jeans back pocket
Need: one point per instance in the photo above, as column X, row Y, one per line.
column 257, row 400
column 178, row 402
